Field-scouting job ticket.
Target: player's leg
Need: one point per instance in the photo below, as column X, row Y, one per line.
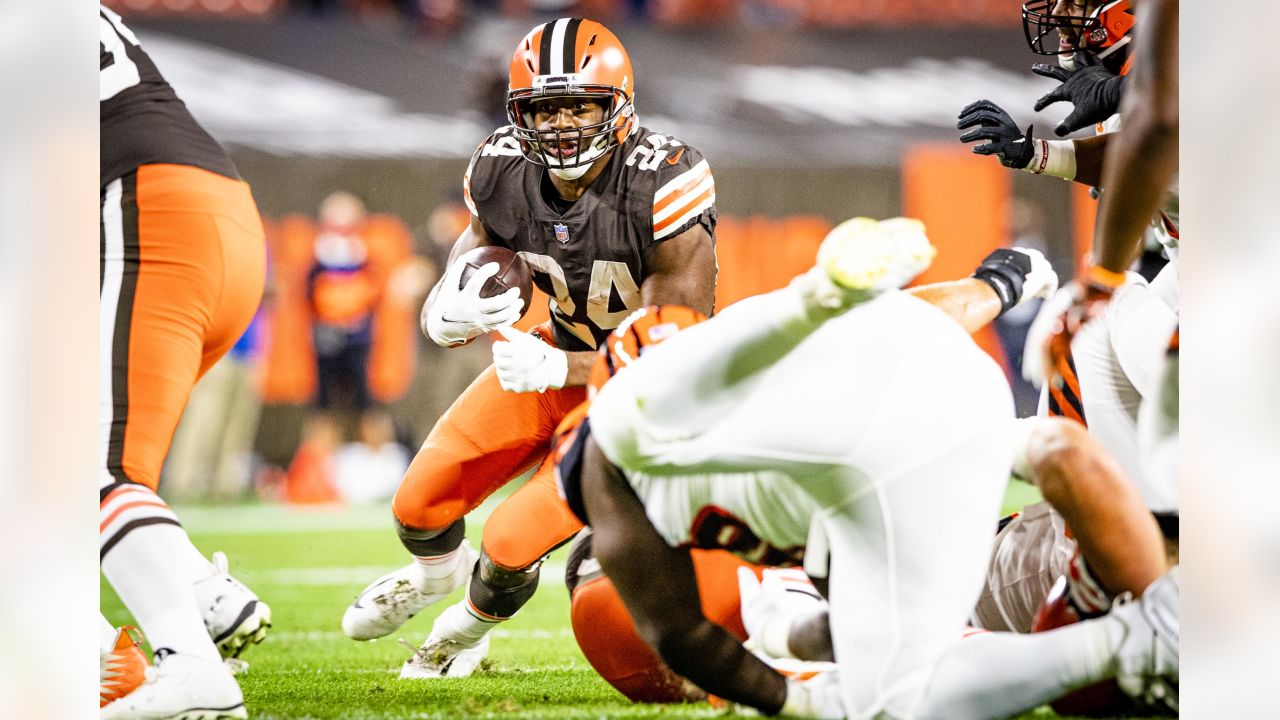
column 721, row 361
column 908, row 553
column 998, row 675
column 1116, row 534
column 486, row 438
column 518, row 535
column 163, row 289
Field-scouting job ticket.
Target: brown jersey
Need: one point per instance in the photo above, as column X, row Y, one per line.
column 590, row 258
column 140, row 118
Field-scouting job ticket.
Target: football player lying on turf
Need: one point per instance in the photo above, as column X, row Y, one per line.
column 601, row 625
column 841, row 404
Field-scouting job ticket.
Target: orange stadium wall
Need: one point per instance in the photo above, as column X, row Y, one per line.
column 964, row 203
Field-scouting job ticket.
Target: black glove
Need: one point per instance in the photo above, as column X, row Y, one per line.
column 1092, row 89
column 1006, row 141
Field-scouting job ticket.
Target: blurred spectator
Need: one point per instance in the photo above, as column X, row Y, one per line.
column 212, row 453
column 343, row 329
column 369, row 470
column 343, row 295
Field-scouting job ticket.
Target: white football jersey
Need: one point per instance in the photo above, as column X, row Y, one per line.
column 762, row 517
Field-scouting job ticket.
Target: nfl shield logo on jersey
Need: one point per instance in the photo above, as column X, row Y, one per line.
column 562, row 233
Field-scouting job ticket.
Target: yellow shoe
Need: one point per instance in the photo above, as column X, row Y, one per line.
column 867, row 257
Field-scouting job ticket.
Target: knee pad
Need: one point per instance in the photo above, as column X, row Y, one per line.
column 429, row 543
column 498, row 592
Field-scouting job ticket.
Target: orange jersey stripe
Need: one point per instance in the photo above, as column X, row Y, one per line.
column 658, row 227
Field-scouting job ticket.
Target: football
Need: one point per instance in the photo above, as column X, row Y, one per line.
column 513, row 272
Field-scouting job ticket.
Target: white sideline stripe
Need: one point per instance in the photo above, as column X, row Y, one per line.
column 355, row 575
column 396, row 671
column 335, row 635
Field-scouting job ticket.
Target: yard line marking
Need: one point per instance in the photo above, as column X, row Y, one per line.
column 357, row 575
column 330, row 635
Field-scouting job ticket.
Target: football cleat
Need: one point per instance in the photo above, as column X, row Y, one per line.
column 443, row 658
column 388, row 602
column 233, row 614
column 862, row 258
column 182, row 687
column 1147, row 659
column 123, row 669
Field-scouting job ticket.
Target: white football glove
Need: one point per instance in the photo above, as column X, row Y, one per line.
column 771, row 606
column 815, row 697
column 458, row 315
column 1042, row 281
column 526, row 364
column 1020, row 435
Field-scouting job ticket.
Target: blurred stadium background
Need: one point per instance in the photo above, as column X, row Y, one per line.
column 810, row 111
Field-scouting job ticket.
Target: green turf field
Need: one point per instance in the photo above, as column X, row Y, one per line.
column 310, row 564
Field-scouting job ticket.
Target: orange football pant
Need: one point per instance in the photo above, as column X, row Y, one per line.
column 182, row 269
column 486, row 438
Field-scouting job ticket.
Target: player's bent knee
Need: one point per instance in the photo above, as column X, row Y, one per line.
column 414, row 507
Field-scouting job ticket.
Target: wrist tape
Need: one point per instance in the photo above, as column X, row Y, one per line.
column 1053, row 157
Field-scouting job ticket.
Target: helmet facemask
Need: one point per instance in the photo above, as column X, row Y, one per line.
column 590, row 142
column 1100, row 29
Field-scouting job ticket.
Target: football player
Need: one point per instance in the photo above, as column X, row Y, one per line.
column 835, row 404
column 182, row 269
column 1113, row 364
column 601, row 625
column 1093, row 54
column 610, row 216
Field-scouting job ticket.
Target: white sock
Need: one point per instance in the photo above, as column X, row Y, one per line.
column 106, row 635
column 997, row 675
column 440, row 567
column 147, row 558
column 460, row 623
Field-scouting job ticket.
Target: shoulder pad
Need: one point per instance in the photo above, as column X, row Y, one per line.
column 491, row 158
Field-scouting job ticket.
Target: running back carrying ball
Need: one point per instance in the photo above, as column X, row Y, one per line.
column 513, row 272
